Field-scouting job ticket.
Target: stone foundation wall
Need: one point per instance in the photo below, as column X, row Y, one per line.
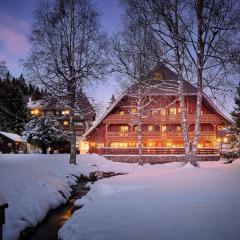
column 153, row 159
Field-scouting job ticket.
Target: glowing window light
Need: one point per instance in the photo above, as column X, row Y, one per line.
column 65, row 112
column 173, row 111
column 225, row 140
column 35, row 112
column 65, row 123
column 164, row 128
column 150, row 128
column 169, row 144
column 133, row 110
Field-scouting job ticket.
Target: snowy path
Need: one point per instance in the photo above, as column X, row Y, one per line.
column 161, row 203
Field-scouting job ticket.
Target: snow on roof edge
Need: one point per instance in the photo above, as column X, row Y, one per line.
column 13, row 136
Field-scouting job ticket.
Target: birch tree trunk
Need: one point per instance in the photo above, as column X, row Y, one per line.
column 200, row 56
column 72, row 140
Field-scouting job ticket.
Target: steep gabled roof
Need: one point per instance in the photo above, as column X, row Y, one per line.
column 161, row 87
column 13, row 136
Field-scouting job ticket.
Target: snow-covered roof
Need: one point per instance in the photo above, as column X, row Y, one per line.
column 13, row 136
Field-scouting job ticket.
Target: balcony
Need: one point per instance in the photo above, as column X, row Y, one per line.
column 157, row 134
column 131, row 118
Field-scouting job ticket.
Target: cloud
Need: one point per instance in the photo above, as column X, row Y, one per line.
column 13, row 34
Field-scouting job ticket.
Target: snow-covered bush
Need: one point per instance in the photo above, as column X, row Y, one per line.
column 44, row 132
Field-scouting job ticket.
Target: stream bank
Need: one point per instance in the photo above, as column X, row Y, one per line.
column 48, row 228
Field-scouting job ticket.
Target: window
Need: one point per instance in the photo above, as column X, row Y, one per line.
column 178, row 128
column 65, row 112
column 9, row 145
column 65, row 123
column 151, row 144
column 133, row 110
column 123, row 129
column 100, row 145
column 150, row 128
column 164, row 128
column 78, row 124
column 158, row 76
column 163, row 112
column 136, row 128
column 173, row 111
column 154, row 112
column 35, row 112
column 121, row 113
column 119, row 145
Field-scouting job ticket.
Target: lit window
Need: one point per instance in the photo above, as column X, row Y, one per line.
column 163, row 112
column 123, row 129
column 164, row 128
column 133, row 110
column 65, row 123
column 173, row 111
column 151, row 144
column 168, row 144
column 121, row 113
column 78, row 123
column 158, row 76
column 35, row 112
column 119, row 145
column 178, row 128
column 150, row 128
column 65, row 112
column 136, row 128
column 154, row 112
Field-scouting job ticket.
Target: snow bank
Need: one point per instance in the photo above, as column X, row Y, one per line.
column 34, row 184
column 161, row 202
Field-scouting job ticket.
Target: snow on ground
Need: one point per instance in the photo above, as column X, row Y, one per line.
column 32, row 183
column 161, row 202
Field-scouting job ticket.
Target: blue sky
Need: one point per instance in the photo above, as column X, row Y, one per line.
column 15, row 23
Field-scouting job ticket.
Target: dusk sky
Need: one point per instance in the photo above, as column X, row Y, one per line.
column 15, row 23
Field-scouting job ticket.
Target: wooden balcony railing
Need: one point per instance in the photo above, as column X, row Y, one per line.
column 131, row 118
column 153, row 151
column 158, row 134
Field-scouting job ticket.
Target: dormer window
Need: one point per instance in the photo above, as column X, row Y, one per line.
column 158, row 76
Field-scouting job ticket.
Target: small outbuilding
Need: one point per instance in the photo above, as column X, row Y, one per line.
column 12, row 143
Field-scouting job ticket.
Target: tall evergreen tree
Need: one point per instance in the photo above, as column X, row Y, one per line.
column 13, row 109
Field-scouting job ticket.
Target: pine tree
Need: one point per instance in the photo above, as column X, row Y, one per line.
column 13, row 109
column 43, row 132
column 112, row 100
column 234, row 138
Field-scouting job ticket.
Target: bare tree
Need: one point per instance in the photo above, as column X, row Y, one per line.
column 135, row 59
column 198, row 38
column 68, row 52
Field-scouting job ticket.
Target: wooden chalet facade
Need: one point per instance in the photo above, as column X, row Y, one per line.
column 115, row 134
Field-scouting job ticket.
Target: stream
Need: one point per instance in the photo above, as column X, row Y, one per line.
column 48, row 228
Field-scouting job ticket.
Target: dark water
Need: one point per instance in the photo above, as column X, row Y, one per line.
column 48, row 229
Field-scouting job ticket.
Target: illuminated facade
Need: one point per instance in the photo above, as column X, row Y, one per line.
column 116, row 132
column 51, row 107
